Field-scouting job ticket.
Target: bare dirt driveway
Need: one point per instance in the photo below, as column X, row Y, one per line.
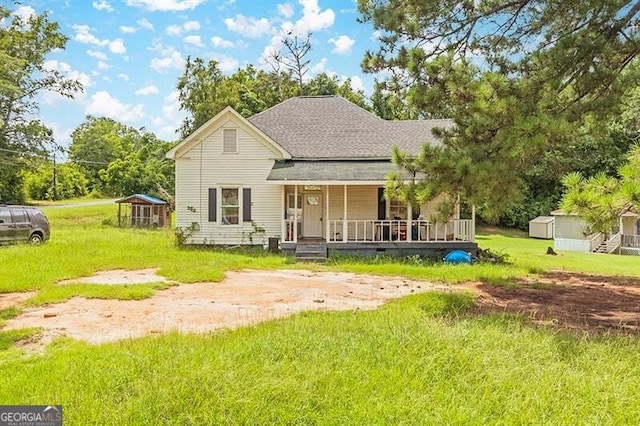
column 242, row 298
column 558, row 299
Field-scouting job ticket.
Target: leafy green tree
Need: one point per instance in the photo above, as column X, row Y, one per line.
column 70, row 182
column 204, row 91
column 602, row 199
column 98, row 141
column 144, row 170
column 519, row 79
column 24, row 45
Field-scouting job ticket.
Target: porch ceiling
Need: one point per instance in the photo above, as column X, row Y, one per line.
column 331, row 171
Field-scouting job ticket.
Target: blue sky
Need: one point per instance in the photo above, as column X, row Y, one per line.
column 129, row 53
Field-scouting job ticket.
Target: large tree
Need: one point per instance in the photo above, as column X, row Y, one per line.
column 24, row 45
column 518, row 78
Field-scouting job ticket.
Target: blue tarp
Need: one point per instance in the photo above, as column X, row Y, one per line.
column 458, row 256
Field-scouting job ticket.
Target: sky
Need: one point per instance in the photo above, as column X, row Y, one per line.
column 128, row 54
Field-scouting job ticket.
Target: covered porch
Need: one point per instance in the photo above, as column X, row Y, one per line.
column 356, row 217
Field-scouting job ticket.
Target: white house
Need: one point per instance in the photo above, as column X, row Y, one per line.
column 572, row 233
column 308, row 170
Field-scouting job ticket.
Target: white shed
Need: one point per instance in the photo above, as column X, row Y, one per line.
column 541, row 227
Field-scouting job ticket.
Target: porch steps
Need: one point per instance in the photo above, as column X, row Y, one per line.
column 316, row 252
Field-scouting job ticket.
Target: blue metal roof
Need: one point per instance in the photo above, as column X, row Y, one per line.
column 148, row 198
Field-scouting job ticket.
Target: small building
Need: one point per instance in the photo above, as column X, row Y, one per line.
column 541, row 227
column 145, row 211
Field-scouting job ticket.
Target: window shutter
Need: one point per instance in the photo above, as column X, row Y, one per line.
column 246, row 204
column 382, row 205
column 213, row 206
column 229, row 141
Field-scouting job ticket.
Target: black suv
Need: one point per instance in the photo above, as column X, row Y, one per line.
column 20, row 223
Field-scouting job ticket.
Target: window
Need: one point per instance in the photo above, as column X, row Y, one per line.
column 230, row 141
column 397, row 209
column 291, row 207
column 5, row 216
column 230, row 206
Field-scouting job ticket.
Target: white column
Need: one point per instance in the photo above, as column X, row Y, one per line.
column 344, row 222
column 295, row 214
column 326, row 213
column 283, row 217
column 409, row 230
column 473, row 223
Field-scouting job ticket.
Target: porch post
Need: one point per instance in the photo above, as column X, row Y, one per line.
column 473, row 223
column 409, row 231
column 327, row 235
column 295, row 214
column 283, row 217
column 344, row 222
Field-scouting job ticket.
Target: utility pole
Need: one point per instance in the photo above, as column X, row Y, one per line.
column 55, row 189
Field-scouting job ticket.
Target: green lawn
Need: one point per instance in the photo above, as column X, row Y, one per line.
column 419, row 360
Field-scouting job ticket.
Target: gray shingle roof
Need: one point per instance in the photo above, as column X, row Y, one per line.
column 329, row 171
column 332, row 127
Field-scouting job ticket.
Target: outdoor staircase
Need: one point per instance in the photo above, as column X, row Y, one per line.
column 311, row 252
column 610, row 245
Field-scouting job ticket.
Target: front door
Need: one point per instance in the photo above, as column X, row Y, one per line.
column 312, row 216
column 7, row 228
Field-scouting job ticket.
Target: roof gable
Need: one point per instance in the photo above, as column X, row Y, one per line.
column 217, row 122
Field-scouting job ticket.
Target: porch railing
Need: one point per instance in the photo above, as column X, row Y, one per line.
column 630, row 241
column 595, row 241
column 399, row 230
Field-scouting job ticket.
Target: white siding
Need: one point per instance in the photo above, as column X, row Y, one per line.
column 570, row 227
column 205, row 166
column 629, row 226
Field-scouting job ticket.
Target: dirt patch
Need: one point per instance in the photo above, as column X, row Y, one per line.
column 120, row 277
column 597, row 304
column 242, row 298
column 8, row 300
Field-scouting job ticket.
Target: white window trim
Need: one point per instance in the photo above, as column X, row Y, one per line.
column 219, row 206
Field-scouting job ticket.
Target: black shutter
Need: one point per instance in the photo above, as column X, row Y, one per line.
column 382, row 205
column 246, row 204
column 213, row 205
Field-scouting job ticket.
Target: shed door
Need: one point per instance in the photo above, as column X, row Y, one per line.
column 312, row 216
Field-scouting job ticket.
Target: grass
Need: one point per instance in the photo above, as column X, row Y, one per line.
column 419, row 360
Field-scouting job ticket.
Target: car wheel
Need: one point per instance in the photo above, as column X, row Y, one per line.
column 35, row 240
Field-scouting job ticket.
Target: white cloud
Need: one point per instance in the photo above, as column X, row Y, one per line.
column 169, row 58
column 191, row 26
column 174, row 30
column 103, row 104
column 66, row 70
column 24, row 12
column 357, row 84
column 312, row 19
column 343, row 44
column 84, row 35
column 195, row 40
column 103, row 5
column 226, row 64
column 164, row 5
column 103, row 65
column 248, row 27
column 117, row 46
column 128, row 30
column 124, row 77
column 319, row 67
column 96, row 54
column 52, row 98
column 145, row 24
column 172, row 116
column 285, row 10
column 220, row 42
column 148, row 90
